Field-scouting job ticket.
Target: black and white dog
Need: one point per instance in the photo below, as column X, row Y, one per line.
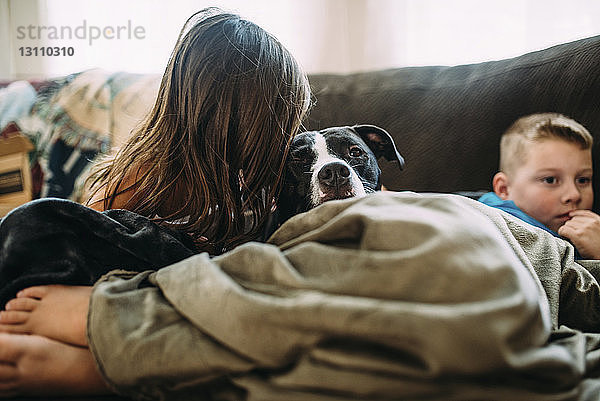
column 334, row 163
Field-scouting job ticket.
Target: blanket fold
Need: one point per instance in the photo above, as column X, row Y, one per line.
column 394, row 296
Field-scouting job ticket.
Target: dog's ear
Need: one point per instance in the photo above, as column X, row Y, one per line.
column 380, row 142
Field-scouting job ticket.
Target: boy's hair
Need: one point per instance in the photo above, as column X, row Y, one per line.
column 538, row 127
column 229, row 103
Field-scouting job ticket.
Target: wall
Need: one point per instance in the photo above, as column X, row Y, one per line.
column 325, row 35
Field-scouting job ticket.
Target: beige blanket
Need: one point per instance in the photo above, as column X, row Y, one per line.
column 394, row 296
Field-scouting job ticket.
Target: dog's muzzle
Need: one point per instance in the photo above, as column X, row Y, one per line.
column 335, row 182
column 334, row 174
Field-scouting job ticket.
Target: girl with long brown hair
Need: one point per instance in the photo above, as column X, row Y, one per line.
column 211, row 151
column 207, row 161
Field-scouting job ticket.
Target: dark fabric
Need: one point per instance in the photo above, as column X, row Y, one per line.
column 57, row 241
column 65, row 164
column 447, row 121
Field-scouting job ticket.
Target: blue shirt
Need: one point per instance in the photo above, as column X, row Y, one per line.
column 493, row 200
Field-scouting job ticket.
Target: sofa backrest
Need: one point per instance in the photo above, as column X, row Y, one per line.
column 447, row 121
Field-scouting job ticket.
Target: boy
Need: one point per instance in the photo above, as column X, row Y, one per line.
column 545, row 179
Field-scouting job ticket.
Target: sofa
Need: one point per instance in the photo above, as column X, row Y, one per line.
column 446, row 121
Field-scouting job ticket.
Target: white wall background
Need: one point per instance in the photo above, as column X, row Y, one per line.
column 338, row 36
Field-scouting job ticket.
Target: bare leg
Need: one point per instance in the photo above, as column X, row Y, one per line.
column 54, row 311
column 33, row 365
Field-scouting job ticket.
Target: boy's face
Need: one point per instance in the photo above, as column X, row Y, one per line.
column 555, row 178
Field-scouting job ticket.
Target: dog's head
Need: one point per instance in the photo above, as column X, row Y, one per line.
column 334, row 163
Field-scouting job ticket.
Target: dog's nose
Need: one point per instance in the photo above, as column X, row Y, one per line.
column 334, row 174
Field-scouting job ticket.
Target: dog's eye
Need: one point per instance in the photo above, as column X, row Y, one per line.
column 355, row 151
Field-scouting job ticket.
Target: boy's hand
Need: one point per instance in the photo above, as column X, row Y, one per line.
column 583, row 230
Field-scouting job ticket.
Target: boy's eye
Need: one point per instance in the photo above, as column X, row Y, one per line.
column 584, row 180
column 549, row 180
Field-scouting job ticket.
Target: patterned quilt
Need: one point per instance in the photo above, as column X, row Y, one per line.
column 73, row 119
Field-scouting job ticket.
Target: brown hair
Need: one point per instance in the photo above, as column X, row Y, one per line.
column 229, row 103
column 535, row 128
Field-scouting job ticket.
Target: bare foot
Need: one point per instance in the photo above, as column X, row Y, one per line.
column 31, row 365
column 55, row 311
